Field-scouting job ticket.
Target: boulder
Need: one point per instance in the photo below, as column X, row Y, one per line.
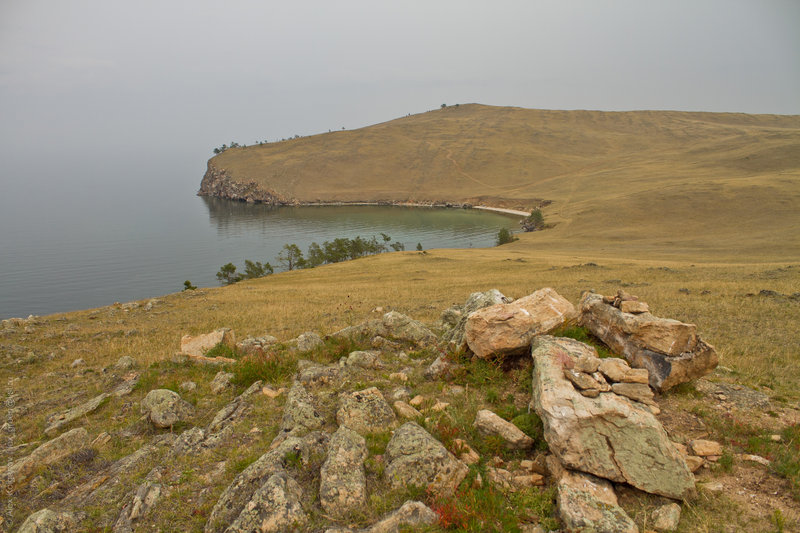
column 274, row 508
column 442, row 369
column 221, row 382
column 368, row 360
column 126, row 362
column 414, row 457
column 406, row 411
column 454, row 319
column 300, row 415
column 47, row 454
column 198, row 345
column 410, row 515
column 165, row 408
column 608, row 436
column 505, row 329
column 307, row 342
column 343, row 483
column 47, row 521
column 705, row 448
column 488, row 423
column 365, row 411
column 240, row 491
column 392, row 325
column 588, row 503
column 670, row 350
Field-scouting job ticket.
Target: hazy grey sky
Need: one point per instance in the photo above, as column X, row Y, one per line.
column 160, row 77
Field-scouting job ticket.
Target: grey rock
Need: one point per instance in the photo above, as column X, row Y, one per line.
column 47, row 521
column 442, row 369
column 275, row 507
column 588, row 503
column 410, row 515
column 414, row 457
column 236, row 496
column 47, row 454
column 343, row 484
column 165, row 408
column 369, row 360
column 307, row 342
column 126, row 362
column 393, row 325
column 300, row 415
column 188, row 386
column 56, row 422
column 221, row 382
column 365, row 411
column 140, row 504
column 77, row 363
column 316, row 376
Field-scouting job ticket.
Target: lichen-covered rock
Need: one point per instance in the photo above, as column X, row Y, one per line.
column 307, row 342
column 126, row 362
column 411, row 514
column 318, row 375
column 670, row 350
column 300, row 415
column 505, row 329
column 454, row 319
column 489, row 423
column 392, row 325
column 165, row 408
column 141, row 503
column 442, row 369
column 221, row 382
column 406, row 411
column 370, row 360
column 47, row 454
column 275, row 507
column 198, row 345
column 365, row 411
column 343, row 483
column 413, row 457
column 47, row 521
column 588, row 503
column 237, row 495
column 608, row 436
column 56, row 422
column 666, row 518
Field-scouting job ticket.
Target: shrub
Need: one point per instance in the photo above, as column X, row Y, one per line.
column 504, row 236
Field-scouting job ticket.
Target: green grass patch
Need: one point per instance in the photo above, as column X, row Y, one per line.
column 583, row 335
column 223, row 350
column 273, row 370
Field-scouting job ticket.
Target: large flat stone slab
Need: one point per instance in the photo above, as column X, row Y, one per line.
column 505, row 329
column 609, row 436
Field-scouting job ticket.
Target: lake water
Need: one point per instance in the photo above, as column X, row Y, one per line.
column 106, row 234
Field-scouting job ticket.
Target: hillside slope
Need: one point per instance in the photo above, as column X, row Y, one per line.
column 671, row 182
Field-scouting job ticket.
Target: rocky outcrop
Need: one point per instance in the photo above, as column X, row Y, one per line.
column 219, row 183
column 414, row 457
column 608, row 436
column 670, row 350
column 47, row 454
column 165, row 408
column 221, row 382
column 393, row 325
column 506, row 329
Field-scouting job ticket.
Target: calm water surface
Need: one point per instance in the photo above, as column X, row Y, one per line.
column 107, row 235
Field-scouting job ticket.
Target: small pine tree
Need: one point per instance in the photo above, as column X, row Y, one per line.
column 187, row 286
column 419, row 246
column 504, row 236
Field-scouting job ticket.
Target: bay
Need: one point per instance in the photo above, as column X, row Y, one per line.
column 103, row 233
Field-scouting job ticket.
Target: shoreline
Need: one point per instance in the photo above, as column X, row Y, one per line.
column 502, row 210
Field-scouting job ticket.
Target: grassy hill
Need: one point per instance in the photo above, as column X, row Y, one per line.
column 655, row 182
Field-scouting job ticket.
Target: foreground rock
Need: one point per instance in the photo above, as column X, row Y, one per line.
column 275, row 507
column 506, row 329
column 47, row 521
column 414, row 457
column 236, row 496
column 609, row 435
column 198, row 345
column 670, row 350
column 343, row 482
column 588, row 503
column 45, row 455
column 165, row 408
column 300, row 414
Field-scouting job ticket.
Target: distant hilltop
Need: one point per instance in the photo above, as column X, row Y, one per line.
column 699, row 171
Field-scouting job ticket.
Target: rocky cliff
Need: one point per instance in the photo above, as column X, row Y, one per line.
column 218, row 182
